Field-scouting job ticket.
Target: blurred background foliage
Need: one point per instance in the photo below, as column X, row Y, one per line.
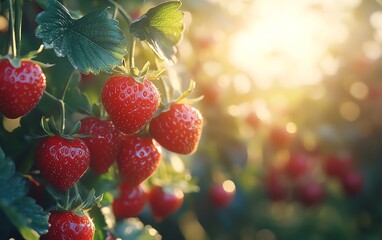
column 288, row 86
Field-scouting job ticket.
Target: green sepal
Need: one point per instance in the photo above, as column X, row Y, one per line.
column 15, row 62
column 75, row 129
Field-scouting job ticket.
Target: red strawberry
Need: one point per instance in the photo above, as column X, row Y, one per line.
column 138, row 159
column 311, row 193
column 130, row 202
column 352, row 182
column 68, row 225
column 298, row 165
column 129, row 104
column 62, row 162
column 336, row 165
column 20, row 88
column 221, row 195
column 178, row 129
column 103, row 143
column 165, row 201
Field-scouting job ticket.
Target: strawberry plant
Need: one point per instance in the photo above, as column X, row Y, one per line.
column 88, row 147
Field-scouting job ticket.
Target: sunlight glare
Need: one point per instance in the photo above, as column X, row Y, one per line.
column 288, row 42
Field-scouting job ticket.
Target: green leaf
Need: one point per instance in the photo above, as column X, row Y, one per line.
column 28, row 217
column 162, row 28
column 7, row 167
column 133, row 228
column 92, row 43
column 22, row 211
column 99, row 223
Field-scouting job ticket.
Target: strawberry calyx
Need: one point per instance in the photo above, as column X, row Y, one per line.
column 50, row 127
column 16, row 61
column 183, row 98
column 74, row 201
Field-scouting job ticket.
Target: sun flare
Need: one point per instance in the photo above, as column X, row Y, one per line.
column 289, row 42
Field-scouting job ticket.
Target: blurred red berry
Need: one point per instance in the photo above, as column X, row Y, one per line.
column 352, row 182
column 311, row 193
column 298, row 165
column 335, row 165
column 221, row 195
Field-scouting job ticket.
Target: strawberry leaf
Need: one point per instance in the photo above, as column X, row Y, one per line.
column 92, row 43
column 162, row 28
column 20, row 210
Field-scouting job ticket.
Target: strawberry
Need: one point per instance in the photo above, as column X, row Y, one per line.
column 178, row 129
column 62, row 162
column 165, row 201
column 20, row 88
column 138, row 159
column 130, row 104
column 130, row 202
column 103, row 143
column 352, row 182
column 221, row 195
column 311, row 193
column 68, row 225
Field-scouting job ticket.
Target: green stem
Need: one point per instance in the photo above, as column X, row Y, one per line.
column 131, row 53
column 115, row 13
column 13, row 46
column 124, row 14
column 51, row 96
column 62, row 102
column 18, row 23
column 67, row 86
column 67, row 197
column 63, row 118
column 167, row 95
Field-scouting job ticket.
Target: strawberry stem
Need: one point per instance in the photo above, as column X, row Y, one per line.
column 131, row 53
column 12, row 47
column 18, row 23
column 128, row 20
column 124, row 14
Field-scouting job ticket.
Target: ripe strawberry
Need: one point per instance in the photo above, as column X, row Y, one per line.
column 178, row 129
column 221, row 195
column 164, row 201
column 129, row 104
column 62, row 162
column 20, row 88
column 311, row 193
column 335, row 165
column 298, row 165
column 138, row 159
column 103, row 144
column 68, row 225
column 352, row 182
column 130, row 202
